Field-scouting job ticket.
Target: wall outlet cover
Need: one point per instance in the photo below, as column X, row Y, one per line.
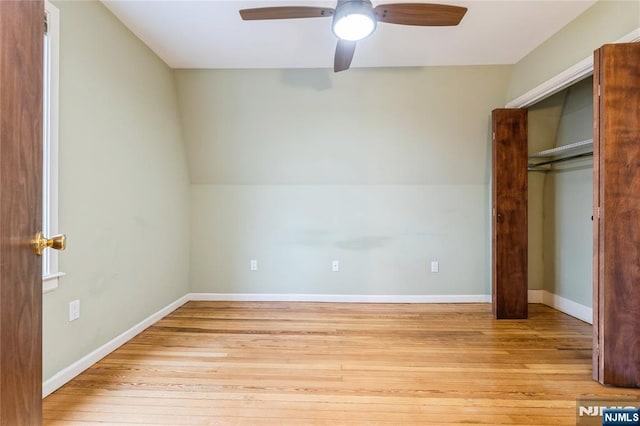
column 74, row 310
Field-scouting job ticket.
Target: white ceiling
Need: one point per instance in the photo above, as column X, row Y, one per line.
column 210, row 34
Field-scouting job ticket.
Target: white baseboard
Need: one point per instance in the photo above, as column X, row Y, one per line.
column 569, row 307
column 65, row 375
column 341, row 298
column 535, row 296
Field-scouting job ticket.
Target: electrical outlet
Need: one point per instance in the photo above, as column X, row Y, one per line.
column 74, row 310
column 253, row 265
column 335, row 266
column 435, row 266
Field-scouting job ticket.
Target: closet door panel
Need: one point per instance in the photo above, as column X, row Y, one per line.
column 618, row 234
column 597, row 366
column 509, row 221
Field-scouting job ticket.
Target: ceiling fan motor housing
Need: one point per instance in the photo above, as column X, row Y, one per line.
column 353, row 19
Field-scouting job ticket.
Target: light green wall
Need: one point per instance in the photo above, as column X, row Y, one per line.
column 367, row 126
column 604, row 22
column 384, row 236
column 123, row 186
column 382, row 169
column 568, row 205
column 569, row 233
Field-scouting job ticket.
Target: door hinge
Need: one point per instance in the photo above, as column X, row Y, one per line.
column 494, row 136
column 598, row 90
column 598, row 212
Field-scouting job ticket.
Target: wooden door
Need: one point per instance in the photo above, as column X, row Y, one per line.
column 21, row 62
column 509, row 223
column 617, row 215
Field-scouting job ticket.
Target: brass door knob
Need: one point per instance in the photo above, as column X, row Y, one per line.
column 57, row 242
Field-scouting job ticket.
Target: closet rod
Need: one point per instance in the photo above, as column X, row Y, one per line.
column 559, row 160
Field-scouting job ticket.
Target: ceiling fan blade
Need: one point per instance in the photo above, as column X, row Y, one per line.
column 422, row 14
column 285, row 12
column 344, row 55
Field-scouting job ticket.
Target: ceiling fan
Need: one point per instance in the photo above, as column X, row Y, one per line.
column 354, row 20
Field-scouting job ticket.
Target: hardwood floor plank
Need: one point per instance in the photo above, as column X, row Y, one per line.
column 323, row 363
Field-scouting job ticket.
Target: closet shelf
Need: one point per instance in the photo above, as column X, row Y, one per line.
column 561, row 153
column 563, row 150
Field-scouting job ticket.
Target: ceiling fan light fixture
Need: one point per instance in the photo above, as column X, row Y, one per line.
column 353, row 20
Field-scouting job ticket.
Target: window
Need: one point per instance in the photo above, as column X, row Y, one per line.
column 50, row 272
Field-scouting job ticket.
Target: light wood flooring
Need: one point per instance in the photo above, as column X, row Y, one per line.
column 238, row 363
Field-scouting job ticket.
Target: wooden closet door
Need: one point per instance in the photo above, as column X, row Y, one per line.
column 617, row 215
column 509, row 222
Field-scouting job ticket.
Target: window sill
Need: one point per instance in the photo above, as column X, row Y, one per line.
column 50, row 282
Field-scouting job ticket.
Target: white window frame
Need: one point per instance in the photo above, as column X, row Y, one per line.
column 50, row 271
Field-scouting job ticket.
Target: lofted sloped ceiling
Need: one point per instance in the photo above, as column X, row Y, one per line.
column 210, row 34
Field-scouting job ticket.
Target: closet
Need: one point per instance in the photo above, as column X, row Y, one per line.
column 614, row 215
column 555, row 146
column 561, row 197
